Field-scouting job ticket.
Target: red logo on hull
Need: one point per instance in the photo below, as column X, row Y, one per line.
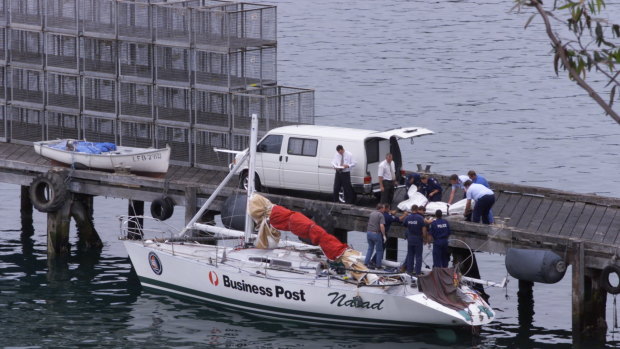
column 213, row 278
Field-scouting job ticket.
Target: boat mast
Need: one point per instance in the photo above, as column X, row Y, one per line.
column 249, row 223
column 252, row 152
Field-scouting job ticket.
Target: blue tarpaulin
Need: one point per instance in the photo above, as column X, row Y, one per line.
column 87, row 147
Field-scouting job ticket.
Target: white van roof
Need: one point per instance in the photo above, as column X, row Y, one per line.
column 350, row 133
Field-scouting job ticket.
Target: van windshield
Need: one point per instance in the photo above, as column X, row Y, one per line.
column 270, row 144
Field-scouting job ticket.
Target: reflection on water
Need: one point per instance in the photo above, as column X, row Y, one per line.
column 94, row 300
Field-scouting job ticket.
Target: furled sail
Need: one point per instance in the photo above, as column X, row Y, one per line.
column 271, row 218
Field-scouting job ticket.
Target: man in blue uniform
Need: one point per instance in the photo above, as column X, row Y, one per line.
column 412, row 179
column 440, row 231
column 416, row 231
column 432, row 188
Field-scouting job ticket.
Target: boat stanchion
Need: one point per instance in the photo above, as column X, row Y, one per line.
column 135, row 210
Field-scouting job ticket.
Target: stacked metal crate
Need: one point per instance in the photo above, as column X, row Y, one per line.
column 184, row 73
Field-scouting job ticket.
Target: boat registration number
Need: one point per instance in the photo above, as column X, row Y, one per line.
column 146, row 157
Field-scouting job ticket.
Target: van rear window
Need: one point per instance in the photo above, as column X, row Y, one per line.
column 372, row 150
column 271, row 144
column 302, row 146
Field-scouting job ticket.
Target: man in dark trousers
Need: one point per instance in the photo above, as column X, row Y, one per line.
column 342, row 162
column 432, row 188
column 484, row 198
column 416, row 231
column 375, row 234
column 440, row 231
column 389, row 219
column 387, row 179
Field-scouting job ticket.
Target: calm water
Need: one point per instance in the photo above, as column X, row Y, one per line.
column 465, row 69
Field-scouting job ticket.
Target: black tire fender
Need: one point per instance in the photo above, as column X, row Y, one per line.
column 607, row 286
column 162, row 208
column 48, row 192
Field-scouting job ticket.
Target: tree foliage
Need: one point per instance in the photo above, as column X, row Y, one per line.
column 584, row 42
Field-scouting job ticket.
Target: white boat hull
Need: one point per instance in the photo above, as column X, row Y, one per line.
column 303, row 295
column 128, row 158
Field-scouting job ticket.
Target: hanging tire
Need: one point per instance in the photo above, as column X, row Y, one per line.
column 607, row 286
column 243, row 181
column 48, row 192
column 162, row 208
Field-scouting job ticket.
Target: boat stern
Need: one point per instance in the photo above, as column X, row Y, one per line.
column 476, row 313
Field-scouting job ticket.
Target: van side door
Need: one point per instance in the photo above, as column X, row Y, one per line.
column 268, row 160
column 300, row 164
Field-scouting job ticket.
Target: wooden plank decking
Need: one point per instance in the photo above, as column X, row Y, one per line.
column 530, row 217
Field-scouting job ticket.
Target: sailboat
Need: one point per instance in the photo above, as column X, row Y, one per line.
column 322, row 283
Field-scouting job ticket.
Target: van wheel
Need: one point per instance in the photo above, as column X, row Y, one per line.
column 243, row 181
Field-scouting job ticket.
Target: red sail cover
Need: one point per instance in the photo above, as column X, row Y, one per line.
column 302, row 226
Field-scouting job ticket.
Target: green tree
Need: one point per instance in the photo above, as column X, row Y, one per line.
column 583, row 42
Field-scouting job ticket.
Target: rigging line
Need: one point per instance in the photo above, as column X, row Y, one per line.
column 500, row 228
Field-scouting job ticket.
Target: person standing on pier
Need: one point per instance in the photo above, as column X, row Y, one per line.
column 440, row 232
column 416, row 232
column 484, row 198
column 375, row 234
column 342, row 162
column 389, row 219
column 387, row 179
column 432, row 188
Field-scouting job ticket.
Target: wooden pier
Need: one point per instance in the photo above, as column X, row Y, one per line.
column 583, row 229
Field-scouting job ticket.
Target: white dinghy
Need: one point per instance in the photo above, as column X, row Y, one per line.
column 105, row 156
column 325, row 284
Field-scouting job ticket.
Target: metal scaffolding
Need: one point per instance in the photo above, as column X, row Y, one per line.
column 187, row 73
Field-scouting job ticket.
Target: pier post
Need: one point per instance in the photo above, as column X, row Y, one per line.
column 525, row 309
column 391, row 249
column 82, row 213
column 588, row 300
column 134, row 226
column 58, row 230
column 25, row 211
column 341, row 234
column 191, row 206
column 191, row 203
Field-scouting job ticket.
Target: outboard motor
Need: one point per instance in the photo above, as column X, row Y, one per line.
column 233, row 212
column 535, row 265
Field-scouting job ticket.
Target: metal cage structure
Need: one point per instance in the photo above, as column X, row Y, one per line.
column 183, row 73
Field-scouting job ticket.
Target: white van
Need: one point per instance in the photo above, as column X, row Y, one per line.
column 299, row 157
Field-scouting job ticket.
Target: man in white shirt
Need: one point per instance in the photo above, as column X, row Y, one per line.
column 456, row 182
column 484, row 197
column 342, row 162
column 387, row 179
